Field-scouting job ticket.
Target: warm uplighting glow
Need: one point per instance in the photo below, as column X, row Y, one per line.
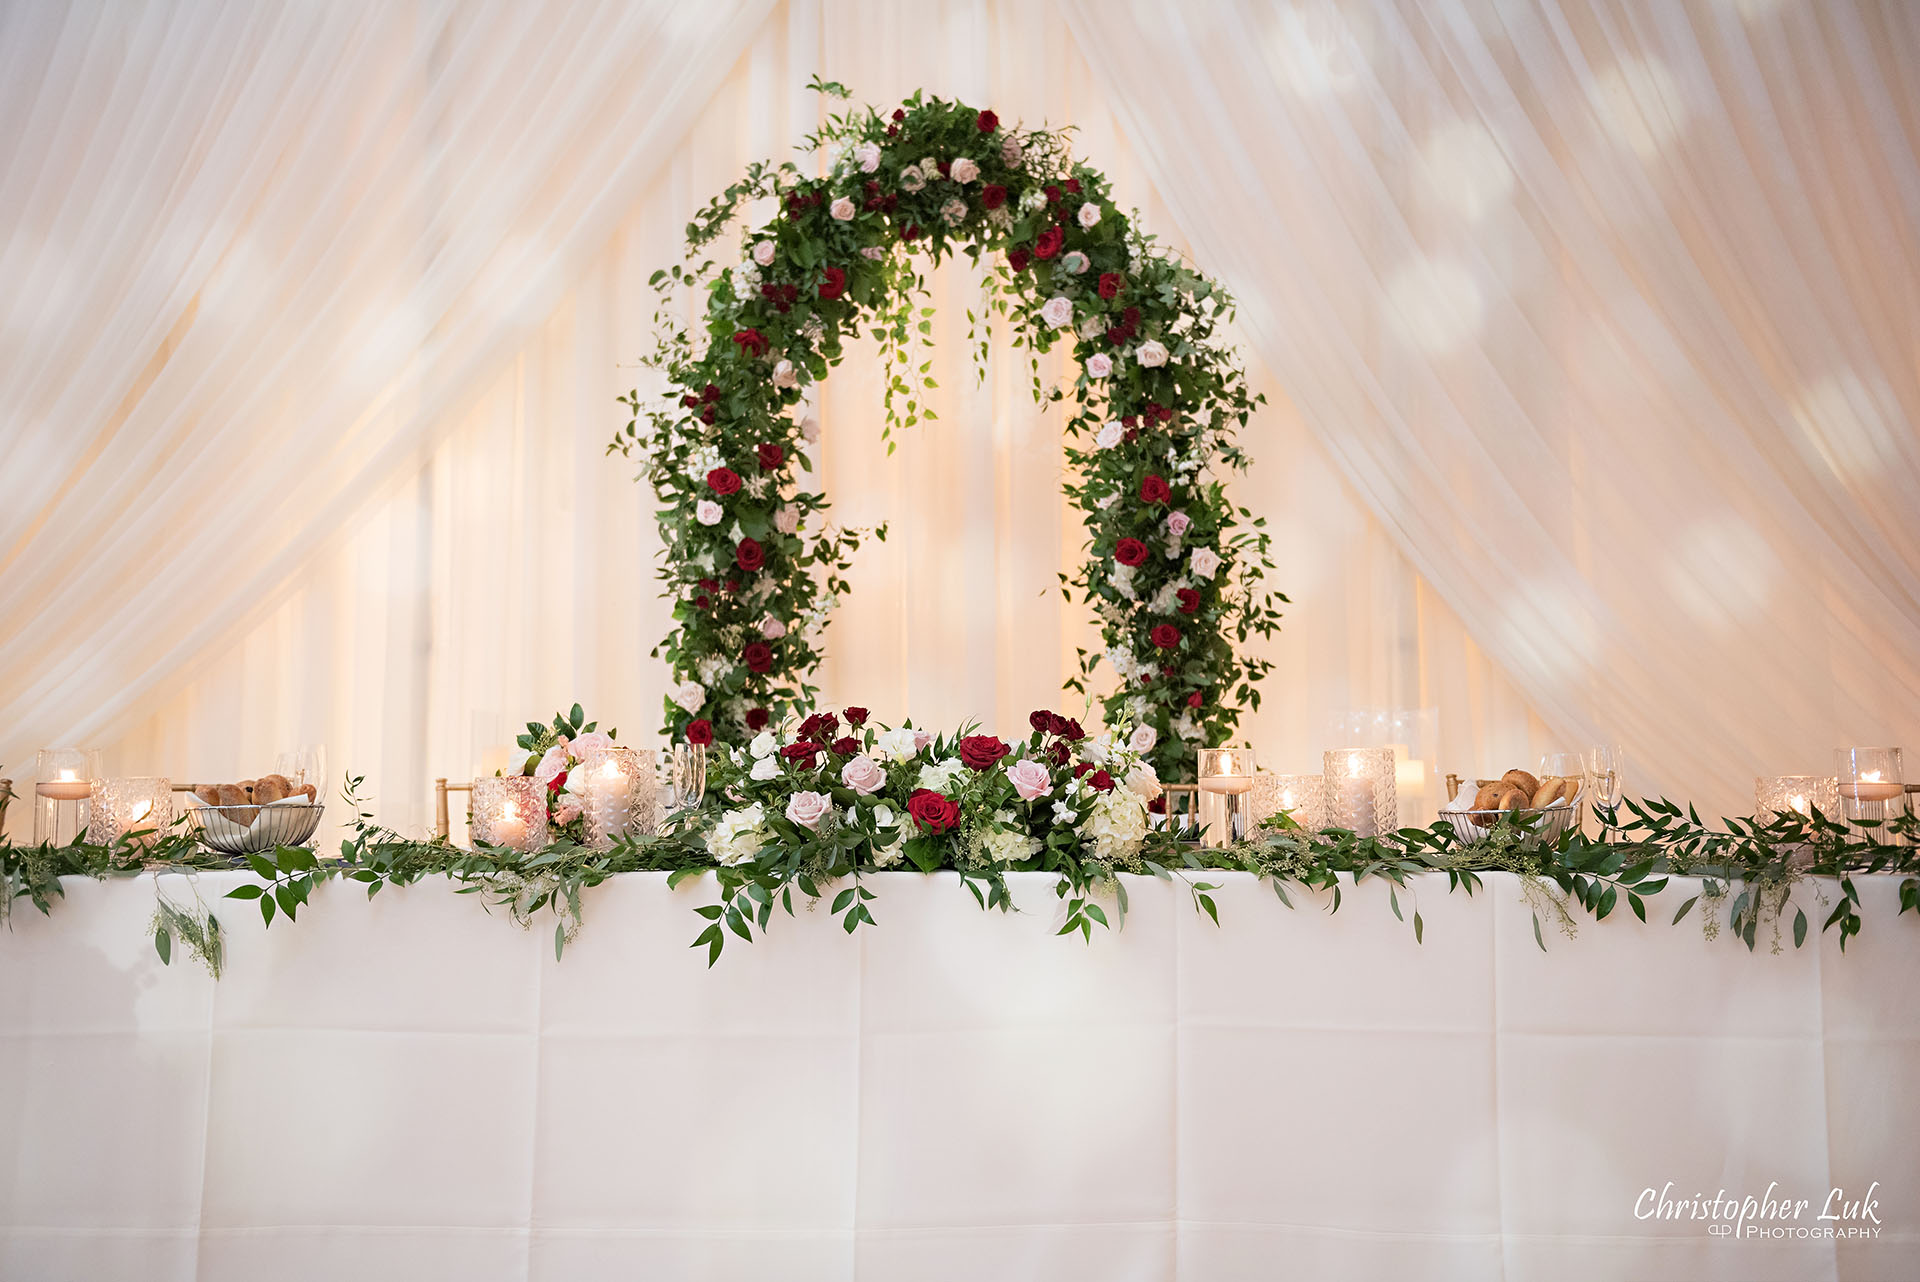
column 1640, row 104
column 1435, row 304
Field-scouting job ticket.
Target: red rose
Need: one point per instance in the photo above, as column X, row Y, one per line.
column 731, row 585
column 559, row 781
column 1164, row 413
column 709, row 393
column 1154, row 489
column 818, row 726
column 802, row 751
column 749, row 556
column 856, row 716
column 1158, row 806
column 1018, row 259
column 757, row 718
column 846, row 745
column 1130, row 552
column 1118, row 334
column 758, row 657
column 707, row 415
column 835, row 284
column 1053, row 193
column 1041, row 721
column 752, row 342
column 1189, row 601
column 988, row 122
column 700, row 732
column 981, row 751
column 1048, row 243
column 1165, row 635
column 1195, row 699
column 703, row 602
column 1101, row 781
column 1128, row 420
column 1110, row 283
column 899, row 113
column 1073, row 733
column 1081, row 767
column 1059, row 754
column 709, row 585
column 992, row 196
column 910, row 232
column 723, row 480
column 771, row 456
column 932, row 810
column 1073, row 185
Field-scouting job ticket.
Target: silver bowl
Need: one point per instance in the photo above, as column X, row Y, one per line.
column 251, row 830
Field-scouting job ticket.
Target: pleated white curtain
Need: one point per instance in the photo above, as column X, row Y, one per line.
column 254, row 255
column 505, row 569
column 1608, row 310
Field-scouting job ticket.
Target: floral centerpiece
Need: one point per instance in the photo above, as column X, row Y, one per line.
column 550, row 753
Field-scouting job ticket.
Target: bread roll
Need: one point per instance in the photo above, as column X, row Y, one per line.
column 271, row 788
column 1522, row 780
column 1511, row 798
column 1554, row 792
column 307, row 790
column 234, row 803
column 208, row 792
column 1488, row 798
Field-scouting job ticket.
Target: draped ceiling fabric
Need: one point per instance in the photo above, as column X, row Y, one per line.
column 1609, row 311
column 1601, row 318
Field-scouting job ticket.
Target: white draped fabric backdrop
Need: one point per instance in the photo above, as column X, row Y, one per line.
column 1588, row 332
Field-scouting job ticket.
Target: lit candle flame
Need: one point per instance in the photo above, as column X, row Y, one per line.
column 140, row 812
column 610, row 771
column 1870, row 776
column 1353, row 764
column 1798, row 802
column 67, row 776
column 1286, row 800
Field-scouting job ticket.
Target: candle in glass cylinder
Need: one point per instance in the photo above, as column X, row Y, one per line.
column 1871, row 787
column 511, row 811
column 1225, row 777
column 1360, row 790
column 619, row 787
column 510, row 829
column 69, row 786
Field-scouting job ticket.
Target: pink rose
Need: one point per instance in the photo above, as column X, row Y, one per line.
column 707, row 512
column 808, row 809
column 552, row 764
column 566, row 813
column 593, row 739
column 1099, row 365
column 842, row 209
column 921, row 738
column 773, row 629
column 863, row 775
column 1058, row 311
column 787, row 519
column 763, row 253
column 963, row 170
column 1030, row 779
column 1110, row 435
column 1177, row 523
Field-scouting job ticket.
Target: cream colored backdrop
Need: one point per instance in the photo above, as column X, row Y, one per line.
column 510, row 572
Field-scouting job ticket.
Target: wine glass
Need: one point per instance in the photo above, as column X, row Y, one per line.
column 303, row 766
column 689, row 774
column 1606, row 771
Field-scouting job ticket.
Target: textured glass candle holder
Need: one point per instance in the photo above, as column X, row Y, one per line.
column 1360, row 792
column 119, row 809
column 617, row 787
column 1226, row 793
column 1302, row 796
column 62, row 791
column 1872, row 787
column 1776, row 795
column 510, row 811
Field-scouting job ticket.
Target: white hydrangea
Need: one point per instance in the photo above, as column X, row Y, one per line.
column 1093, row 326
column 1035, row 199
column 1121, row 577
column 739, row 834
column 1167, row 599
column 1000, row 219
column 1123, row 663
column 746, row 282
column 1116, row 824
column 1183, row 725
column 1006, row 846
column 712, row 668
column 702, row 459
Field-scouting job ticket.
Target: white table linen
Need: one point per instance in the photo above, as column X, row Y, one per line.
column 413, row 1089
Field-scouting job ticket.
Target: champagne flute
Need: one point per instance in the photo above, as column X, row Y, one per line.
column 689, row 773
column 1606, row 768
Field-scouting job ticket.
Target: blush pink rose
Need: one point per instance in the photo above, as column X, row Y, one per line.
column 921, row 738
column 566, row 813
column 864, row 775
column 1177, row 523
column 773, row 629
column 588, row 742
column 787, row 519
column 1030, row 779
column 552, row 764
column 1099, row 365
column 808, row 809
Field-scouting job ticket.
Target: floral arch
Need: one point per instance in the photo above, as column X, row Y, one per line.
column 1174, row 570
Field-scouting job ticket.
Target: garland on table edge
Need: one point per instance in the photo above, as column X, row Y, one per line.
column 750, row 563
column 820, row 810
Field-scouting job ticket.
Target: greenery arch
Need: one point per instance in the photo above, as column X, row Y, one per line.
column 1175, row 571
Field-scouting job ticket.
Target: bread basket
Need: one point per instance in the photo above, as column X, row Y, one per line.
column 248, row 830
column 1545, row 822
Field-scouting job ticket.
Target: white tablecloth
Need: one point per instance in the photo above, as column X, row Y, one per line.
column 413, row 1089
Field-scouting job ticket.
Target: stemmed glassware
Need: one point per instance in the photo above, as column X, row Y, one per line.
column 1606, row 771
column 683, row 777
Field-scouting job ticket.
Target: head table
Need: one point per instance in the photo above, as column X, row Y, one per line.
column 410, row 1088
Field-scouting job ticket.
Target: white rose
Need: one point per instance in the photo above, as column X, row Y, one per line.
column 1110, row 435
column 1089, row 214
column 764, row 744
column 1144, row 780
column 1057, row 311
column 1098, row 750
column 1143, row 738
column 787, row 519
column 763, row 253
column 867, row 156
column 707, row 512
column 809, row 809
column 1151, row 354
column 896, row 745
column 689, row 695
column 911, row 179
column 765, row 768
column 1204, row 562
column 929, row 166
column 939, row 776
column 963, row 170
column 809, row 429
column 1099, row 365
column 842, row 208
column 784, row 375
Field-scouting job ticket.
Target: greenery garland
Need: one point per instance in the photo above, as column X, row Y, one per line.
column 1748, row 869
column 1177, row 572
